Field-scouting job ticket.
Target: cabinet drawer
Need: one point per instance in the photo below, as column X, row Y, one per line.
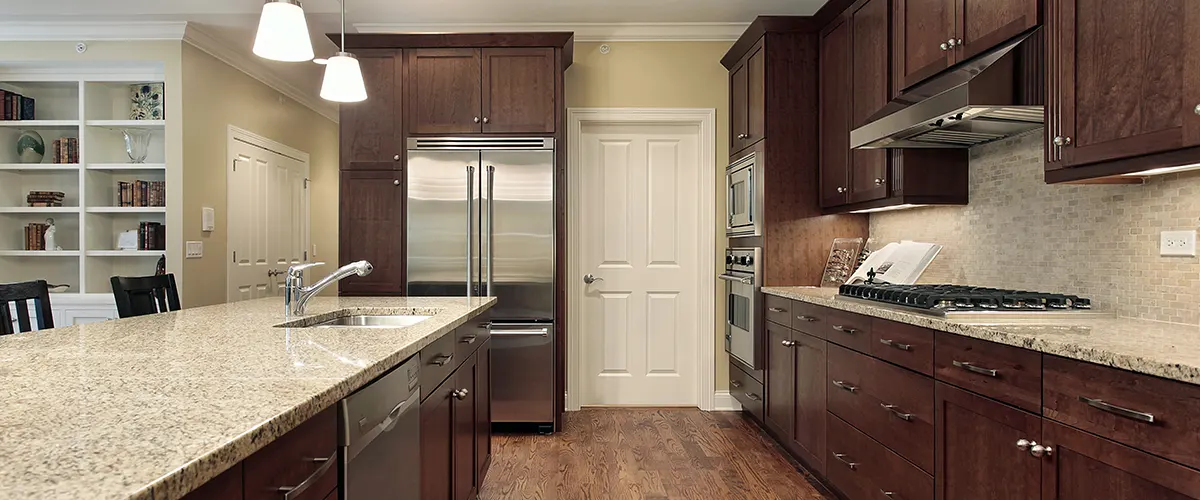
column 906, row 345
column 471, row 335
column 1009, row 374
column 746, row 390
column 861, row 468
column 438, row 361
column 811, row 319
column 779, row 310
column 892, row 405
column 1152, row 414
column 849, row 329
column 289, row 462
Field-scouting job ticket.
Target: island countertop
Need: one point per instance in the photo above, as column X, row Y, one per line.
column 155, row 406
column 1167, row 350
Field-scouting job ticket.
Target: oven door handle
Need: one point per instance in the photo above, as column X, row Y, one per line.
column 738, row 279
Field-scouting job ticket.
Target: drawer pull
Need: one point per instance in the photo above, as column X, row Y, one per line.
column 845, row 387
column 295, row 491
column 753, row 396
column 907, row 417
column 976, row 369
column 1024, row 444
column 777, row 309
column 460, row 394
column 469, row 339
column 845, row 329
column 1039, row 451
column 897, row 345
column 443, row 360
column 735, row 384
column 1117, row 410
column 889, row 494
column 807, row 318
column 789, row 343
column 842, row 457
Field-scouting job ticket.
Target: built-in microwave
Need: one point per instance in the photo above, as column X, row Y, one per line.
column 744, row 203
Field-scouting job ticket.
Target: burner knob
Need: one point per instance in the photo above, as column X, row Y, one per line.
column 729, row 259
column 749, row 260
column 744, row 260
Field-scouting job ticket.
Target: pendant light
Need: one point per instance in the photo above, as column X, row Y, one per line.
column 283, row 32
column 343, row 80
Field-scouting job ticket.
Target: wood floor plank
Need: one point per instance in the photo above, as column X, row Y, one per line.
column 646, row 454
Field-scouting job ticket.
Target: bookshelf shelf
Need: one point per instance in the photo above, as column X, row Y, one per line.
column 127, row 210
column 37, row 167
column 38, row 253
column 126, row 253
column 39, row 123
column 127, row 123
column 39, row 210
column 127, row 166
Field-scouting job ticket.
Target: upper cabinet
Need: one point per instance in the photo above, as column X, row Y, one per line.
column 871, row 26
column 747, row 100
column 472, row 91
column 371, row 131
column 836, row 85
column 932, row 35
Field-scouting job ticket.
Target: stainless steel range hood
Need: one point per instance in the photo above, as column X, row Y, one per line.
column 997, row 94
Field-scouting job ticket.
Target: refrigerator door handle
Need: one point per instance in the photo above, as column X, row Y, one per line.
column 470, row 229
column 491, row 226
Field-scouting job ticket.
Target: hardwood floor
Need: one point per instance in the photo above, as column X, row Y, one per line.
column 646, row 454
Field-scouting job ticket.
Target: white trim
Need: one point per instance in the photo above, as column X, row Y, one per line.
column 265, row 143
column 724, row 401
column 584, row 32
column 217, row 48
column 705, row 118
column 83, row 31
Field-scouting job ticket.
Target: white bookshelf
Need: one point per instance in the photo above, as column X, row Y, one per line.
column 92, row 106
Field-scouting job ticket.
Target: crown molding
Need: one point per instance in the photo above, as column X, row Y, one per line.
column 584, row 32
column 227, row 54
column 79, row 31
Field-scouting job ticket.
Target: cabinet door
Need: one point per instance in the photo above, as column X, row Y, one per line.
column 519, row 90
column 1083, row 466
column 984, row 24
column 739, row 107
column 922, row 30
column 371, row 135
column 976, row 450
column 444, row 91
column 1122, row 90
column 835, row 115
column 227, row 486
column 464, row 430
column 437, row 443
column 483, row 411
column 809, row 413
column 756, row 97
column 780, row 394
column 871, row 68
column 371, row 219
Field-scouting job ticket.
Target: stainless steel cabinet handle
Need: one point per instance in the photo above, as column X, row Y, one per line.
column 897, row 345
column 589, row 279
column 954, row 42
column 1119, row 411
column 879, row 181
column 461, row 394
column 443, row 360
column 844, row 386
column 1024, row 444
column 841, row 189
column 745, row 281
column 1039, row 451
column 777, row 309
column 1197, row 110
column 469, row 339
column 476, row 119
column 790, row 343
column 842, row 457
column 485, row 119
column 735, row 384
column 396, row 182
column 976, row 369
column 754, row 397
column 889, row 494
column 396, row 157
column 290, row 492
column 907, row 417
column 809, row 319
column 1062, row 141
column 845, row 329
column 944, row 46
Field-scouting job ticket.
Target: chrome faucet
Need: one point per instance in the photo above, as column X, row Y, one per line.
column 297, row 295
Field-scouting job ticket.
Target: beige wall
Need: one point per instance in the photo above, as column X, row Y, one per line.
column 216, row 95
column 663, row 75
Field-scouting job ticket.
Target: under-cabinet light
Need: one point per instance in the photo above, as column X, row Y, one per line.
column 887, row 209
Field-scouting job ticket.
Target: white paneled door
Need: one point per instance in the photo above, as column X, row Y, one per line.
column 640, row 219
column 268, row 217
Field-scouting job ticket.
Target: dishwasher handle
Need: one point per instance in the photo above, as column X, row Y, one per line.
column 394, row 416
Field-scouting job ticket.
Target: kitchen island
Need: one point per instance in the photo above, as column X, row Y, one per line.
column 156, row 406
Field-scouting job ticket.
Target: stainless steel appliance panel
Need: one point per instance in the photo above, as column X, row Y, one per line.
column 380, row 435
column 523, row 372
column 742, row 306
column 443, row 188
column 518, row 233
column 744, row 198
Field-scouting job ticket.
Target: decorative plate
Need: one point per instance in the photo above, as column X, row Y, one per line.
column 147, row 101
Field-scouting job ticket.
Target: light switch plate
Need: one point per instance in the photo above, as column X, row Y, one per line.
column 208, row 219
column 1177, row 244
column 195, row 250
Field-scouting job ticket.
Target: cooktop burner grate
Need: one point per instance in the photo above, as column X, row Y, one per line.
column 964, row 298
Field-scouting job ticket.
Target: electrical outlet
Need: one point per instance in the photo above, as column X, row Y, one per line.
column 195, row 250
column 1178, row 244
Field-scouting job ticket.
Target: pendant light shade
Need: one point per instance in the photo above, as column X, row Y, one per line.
column 283, row 32
column 343, row 79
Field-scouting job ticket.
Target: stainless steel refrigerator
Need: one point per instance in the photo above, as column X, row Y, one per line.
column 481, row 222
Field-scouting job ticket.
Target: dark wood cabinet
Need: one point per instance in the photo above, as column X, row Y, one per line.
column 295, row 458
column 483, row 410
column 871, row 73
column 371, row 228
column 227, row 486
column 1085, row 467
column 739, row 107
column 518, row 90
column 983, row 24
column 976, row 450
column 781, row 398
column 437, row 442
column 371, row 131
column 836, row 84
column 747, row 100
column 465, row 426
column 456, row 423
column 809, row 420
column 445, row 91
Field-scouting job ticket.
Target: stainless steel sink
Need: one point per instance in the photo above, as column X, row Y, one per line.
column 372, row 321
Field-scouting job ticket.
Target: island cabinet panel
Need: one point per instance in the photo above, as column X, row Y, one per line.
column 445, row 91
column 296, row 457
column 437, row 442
column 464, row 430
column 518, row 90
column 456, row 421
column 1086, row 467
column 371, row 221
column 371, row 131
column 227, row 486
column 438, row 361
column 977, row 452
column 483, row 411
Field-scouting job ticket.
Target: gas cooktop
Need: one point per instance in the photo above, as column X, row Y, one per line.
column 958, row 300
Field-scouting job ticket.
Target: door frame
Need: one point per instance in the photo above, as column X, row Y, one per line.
column 235, row 135
column 706, row 241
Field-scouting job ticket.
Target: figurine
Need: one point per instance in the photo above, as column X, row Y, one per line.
column 51, row 244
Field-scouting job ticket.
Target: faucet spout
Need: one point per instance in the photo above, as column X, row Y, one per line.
column 298, row 295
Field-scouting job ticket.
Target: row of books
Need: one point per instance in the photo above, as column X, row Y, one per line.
column 142, row 194
column 16, row 106
column 152, row 236
column 35, row 236
column 65, row 150
column 45, row 198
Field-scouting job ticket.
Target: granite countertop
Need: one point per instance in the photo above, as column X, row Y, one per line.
column 152, row 407
column 1167, row 350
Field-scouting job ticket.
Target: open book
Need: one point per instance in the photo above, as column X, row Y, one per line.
column 897, row 263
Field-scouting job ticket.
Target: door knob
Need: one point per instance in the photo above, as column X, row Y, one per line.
column 1197, row 109
column 945, row 46
column 1039, row 451
column 879, row 181
column 954, row 42
column 476, row 119
column 396, row 157
column 841, row 189
column 274, row 272
column 485, row 119
column 396, row 182
column 589, row 279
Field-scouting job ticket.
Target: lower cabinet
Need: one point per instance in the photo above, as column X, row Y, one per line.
column 781, row 399
column 437, row 442
column 808, row 427
column 977, row 449
column 1083, row 466
column 483, row 411
column 456, row 437
column 463, row 413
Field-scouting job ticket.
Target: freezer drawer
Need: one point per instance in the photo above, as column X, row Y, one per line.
column 522, row 372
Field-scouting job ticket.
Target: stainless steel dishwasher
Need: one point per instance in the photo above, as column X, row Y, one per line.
column 380, row 435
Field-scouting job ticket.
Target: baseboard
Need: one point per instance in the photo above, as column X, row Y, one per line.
column 724, row 401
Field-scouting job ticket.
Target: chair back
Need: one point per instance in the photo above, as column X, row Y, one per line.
column 19, row 294
column 139, row 296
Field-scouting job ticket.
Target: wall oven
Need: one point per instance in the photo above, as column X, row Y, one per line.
column 742, row 309
column 744, row 198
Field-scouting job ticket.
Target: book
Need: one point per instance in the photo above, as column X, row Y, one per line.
column 897, row 263
column 27, row 108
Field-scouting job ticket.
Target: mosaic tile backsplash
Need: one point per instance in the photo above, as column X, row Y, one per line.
column 1097, row 241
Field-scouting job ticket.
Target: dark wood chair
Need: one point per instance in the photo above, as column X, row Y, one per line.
column 19, row 294
column 145, row 295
